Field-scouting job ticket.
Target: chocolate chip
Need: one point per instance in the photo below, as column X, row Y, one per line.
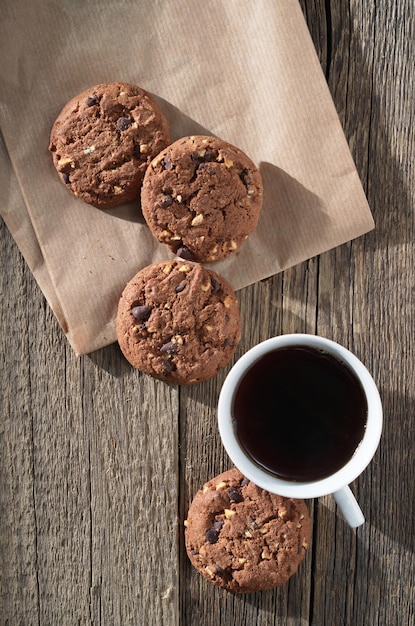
column 215, row 285
column 165, row 201
column 167, row 163
column 180, row 288
column 246, row 177
column 244, row 482
column 141, row 313
column 91, row 101
column 210, row 156
column 212, row 535
column 202, row 167
column 206, row 158
column 168, row 366
column 65, row 178
column 219, row 570
column 169, row 347
column 184, row 253
column 123, row 123
column 235, row 494
column 299, row 549
column 218, row 524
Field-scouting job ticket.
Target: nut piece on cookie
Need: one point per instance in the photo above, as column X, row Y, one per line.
column 243, row 538
column 103, row 141
column 202, row 197
column 178, row 322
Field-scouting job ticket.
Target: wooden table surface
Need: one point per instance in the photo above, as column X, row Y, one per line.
column 99, row 463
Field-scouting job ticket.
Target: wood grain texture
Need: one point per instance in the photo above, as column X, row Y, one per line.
column 98, row 463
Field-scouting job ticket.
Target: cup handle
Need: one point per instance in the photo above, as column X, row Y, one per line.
column 349, row 507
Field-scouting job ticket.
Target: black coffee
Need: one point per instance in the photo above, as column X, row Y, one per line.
column 300, row 413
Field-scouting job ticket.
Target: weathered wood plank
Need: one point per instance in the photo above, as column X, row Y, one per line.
column 132, row 428
column 366, row 302
column 19, row 593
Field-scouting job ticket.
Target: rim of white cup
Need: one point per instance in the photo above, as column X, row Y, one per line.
column 261, row 477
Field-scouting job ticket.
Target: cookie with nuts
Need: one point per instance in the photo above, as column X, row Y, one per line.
column 243, row 538
column 103, row 140
column 178, row 322
column 202, row 197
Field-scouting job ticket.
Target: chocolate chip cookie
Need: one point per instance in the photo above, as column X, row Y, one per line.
column 103, row 140
column 243, row 538
column 201, row 197
column 178, row 321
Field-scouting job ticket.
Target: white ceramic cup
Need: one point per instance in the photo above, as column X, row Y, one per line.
column 337, row 483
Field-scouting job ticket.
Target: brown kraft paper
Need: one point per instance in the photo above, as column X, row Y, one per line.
column 246, row 72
